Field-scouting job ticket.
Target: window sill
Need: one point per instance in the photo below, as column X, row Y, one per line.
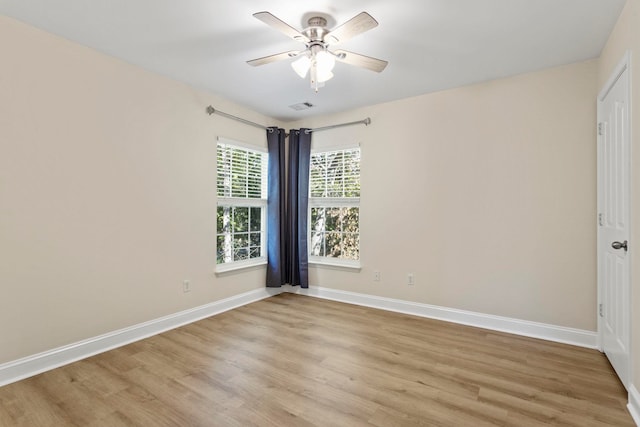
column 335, row 264
column 238, row 266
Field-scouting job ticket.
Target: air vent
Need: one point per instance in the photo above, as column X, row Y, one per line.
column 301, row 106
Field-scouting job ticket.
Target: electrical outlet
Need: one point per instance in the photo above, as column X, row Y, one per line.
column 411, row 279
column 186, row 286
column 376, row 276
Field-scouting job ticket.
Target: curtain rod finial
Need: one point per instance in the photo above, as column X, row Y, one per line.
column 367, row 121
column 210, row 110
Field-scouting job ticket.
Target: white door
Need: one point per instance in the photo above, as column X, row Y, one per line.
column 613, row 221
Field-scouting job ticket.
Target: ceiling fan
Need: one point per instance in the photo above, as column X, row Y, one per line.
column 316, row 58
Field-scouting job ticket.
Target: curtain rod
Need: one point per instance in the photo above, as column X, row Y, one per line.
column 210, row 110
column 365, row 122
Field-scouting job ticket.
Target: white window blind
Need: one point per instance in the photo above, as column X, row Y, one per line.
column 335, row 174
column 334, row 207
column 241, row 172
column 242, row 205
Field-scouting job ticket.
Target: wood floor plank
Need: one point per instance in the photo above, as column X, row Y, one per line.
column 292, row 360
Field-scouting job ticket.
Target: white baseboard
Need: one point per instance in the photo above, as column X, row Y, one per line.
column 526, row 328
column 634, row 404
column 38, row 363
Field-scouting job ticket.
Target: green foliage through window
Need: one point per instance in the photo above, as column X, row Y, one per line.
column 334, row 187
column 239, row 233
column 240, row 217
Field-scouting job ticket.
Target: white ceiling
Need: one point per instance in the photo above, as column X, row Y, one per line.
column 431, row 45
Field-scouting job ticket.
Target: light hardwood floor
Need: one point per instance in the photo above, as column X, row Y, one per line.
column 292, row 360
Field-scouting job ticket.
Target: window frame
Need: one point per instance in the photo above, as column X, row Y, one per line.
column 331, row 202
column 248, row 202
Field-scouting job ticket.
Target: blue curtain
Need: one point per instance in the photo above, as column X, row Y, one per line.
column 287, row 211
column 297, row 207
column 276, row 209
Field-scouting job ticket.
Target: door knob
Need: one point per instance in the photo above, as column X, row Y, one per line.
column 618, row 245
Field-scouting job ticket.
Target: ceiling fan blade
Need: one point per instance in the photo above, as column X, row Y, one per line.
column 358, row 60
column 356, row 25
column 281, row 26
column 273, row 58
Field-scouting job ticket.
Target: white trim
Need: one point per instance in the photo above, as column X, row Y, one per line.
column 525, row 328
column 242, row 202
column 330, row 202
column 623, row 65
column 240, row 265
column 324, row 261
column 32, row 365
column 229, row 201
column 38, row 363
column 242, row 144
column 634, row 404
column 332, row 148
column 342, row 202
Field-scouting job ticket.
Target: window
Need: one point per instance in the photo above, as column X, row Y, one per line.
column 334, row 205
column 242, row 205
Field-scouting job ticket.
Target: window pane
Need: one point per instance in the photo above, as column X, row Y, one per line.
column 333, row 245
column 317, row 231
column 240, row 240
column 225, row 219
column 317, row 219
column 351, row 220
column 240, row 254
column 241, row 175
column 256, row 219
column 220, row 249
column 240, row 219
column 332, row 222
column 317, row 244
column 351, row 246
column 254, row 253
column 219, row 219
column 334, row 231
column 235, row 242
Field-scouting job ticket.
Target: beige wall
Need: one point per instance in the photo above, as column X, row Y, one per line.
column 486, row 193
column 626, row 37
column 107, row 193
column 106, row 185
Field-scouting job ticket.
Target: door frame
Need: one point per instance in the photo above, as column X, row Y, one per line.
column 623, row 65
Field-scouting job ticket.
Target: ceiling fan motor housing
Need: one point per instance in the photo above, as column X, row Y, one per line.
column 316, row 30
column 317, row 21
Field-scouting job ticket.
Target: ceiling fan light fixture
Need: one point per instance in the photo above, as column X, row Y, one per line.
column 316, row 60
column 323, row 75
column 301, row 66
column 322, row 64
column 314, row 80
column 325, row 61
